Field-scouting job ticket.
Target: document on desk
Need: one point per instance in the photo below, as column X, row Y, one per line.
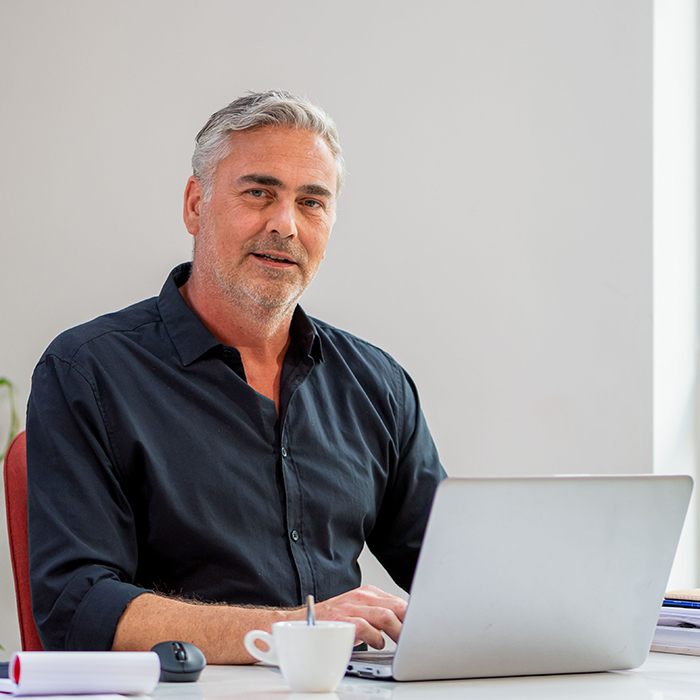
column 689, row 595
column 103, row 673
column 678, row 628
column 679, row 617
column 677, row 640
column 107, row 696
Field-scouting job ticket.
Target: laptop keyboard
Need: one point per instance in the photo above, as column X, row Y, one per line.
column 381, row 658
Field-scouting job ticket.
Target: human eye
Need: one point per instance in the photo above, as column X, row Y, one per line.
column 312, row 203
column 256, row 193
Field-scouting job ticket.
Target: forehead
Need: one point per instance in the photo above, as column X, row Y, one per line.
column 294, row 156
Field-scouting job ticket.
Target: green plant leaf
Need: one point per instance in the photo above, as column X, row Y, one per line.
column 14, row 418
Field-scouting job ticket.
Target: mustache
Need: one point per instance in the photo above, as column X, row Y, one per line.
column 274, row 244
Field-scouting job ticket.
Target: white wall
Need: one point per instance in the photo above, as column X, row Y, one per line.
column 495, row 229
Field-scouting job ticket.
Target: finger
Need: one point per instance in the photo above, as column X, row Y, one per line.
column 364, row 632
column 381, row 619
column 372, row 596
column 371, row 621
column 390, row 602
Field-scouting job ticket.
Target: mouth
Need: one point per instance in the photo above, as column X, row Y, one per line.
column 274, row 258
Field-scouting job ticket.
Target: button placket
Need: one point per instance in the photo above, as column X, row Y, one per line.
column 294, row 534
column 294, row 512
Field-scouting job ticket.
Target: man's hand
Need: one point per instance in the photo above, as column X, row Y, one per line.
column 370, row 609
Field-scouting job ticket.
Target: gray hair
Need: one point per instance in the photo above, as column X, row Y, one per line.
column 254, row 111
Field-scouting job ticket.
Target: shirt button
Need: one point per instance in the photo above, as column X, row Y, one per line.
column 294, row 535
column 284, row 451
column 228, row 352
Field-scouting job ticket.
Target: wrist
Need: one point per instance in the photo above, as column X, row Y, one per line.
column 291, row 614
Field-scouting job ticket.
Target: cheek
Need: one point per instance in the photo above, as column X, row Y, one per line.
column 316, row 247
column 318, row 239
column 233, row 228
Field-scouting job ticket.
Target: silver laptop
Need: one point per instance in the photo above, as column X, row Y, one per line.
column 539, row 575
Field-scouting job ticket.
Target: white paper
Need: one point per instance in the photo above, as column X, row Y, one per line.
column 678, row 640
column 679, row 617
column 108, row 696
column 82, row 673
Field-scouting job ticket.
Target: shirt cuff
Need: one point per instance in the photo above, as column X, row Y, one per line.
column 95, row 621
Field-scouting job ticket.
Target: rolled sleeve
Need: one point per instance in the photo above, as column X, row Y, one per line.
column 83, row 549
column 96, row 616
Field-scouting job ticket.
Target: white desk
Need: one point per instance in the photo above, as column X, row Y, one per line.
column 662, row 677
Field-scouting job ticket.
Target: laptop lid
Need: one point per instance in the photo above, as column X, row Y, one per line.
column 541, row 575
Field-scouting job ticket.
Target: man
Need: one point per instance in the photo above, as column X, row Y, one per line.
column 200, row 462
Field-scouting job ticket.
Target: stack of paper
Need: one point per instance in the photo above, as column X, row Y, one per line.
column 678, row 628
column 58, row 673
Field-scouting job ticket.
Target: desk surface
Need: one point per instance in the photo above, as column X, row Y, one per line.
column 662, row 677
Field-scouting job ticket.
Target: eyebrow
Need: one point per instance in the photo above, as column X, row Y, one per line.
column 256, row 179
column 270, row 181
column 318, row 190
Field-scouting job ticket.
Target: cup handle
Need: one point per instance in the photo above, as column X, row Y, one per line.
column 268, row 656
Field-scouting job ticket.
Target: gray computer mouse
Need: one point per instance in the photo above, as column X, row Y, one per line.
column 179, row 661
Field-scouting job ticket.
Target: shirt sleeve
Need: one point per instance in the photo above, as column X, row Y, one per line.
column 398, row 533
column 83, row 548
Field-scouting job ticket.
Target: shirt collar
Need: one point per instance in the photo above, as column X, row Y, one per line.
column 305, row 335
column 192, row 338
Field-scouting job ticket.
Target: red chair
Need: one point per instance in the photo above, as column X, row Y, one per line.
column 16, row 506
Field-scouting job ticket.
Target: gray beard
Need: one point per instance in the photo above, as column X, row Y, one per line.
column 267, row 300
column 280, row 293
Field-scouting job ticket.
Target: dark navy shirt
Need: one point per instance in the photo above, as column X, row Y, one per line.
column 153, row 465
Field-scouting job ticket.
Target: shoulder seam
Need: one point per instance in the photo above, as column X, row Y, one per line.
column 352, row 337
column 97, row 337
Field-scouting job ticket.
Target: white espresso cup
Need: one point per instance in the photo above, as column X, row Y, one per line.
column 312, row 658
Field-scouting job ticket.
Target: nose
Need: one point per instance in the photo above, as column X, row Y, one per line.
column 282, row 219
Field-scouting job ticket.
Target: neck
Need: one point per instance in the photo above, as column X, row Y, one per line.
column 241, row 322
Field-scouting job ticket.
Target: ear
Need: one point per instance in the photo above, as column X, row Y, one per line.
column 194, row 197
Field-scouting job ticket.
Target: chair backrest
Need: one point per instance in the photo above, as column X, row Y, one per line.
column 15, row 473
